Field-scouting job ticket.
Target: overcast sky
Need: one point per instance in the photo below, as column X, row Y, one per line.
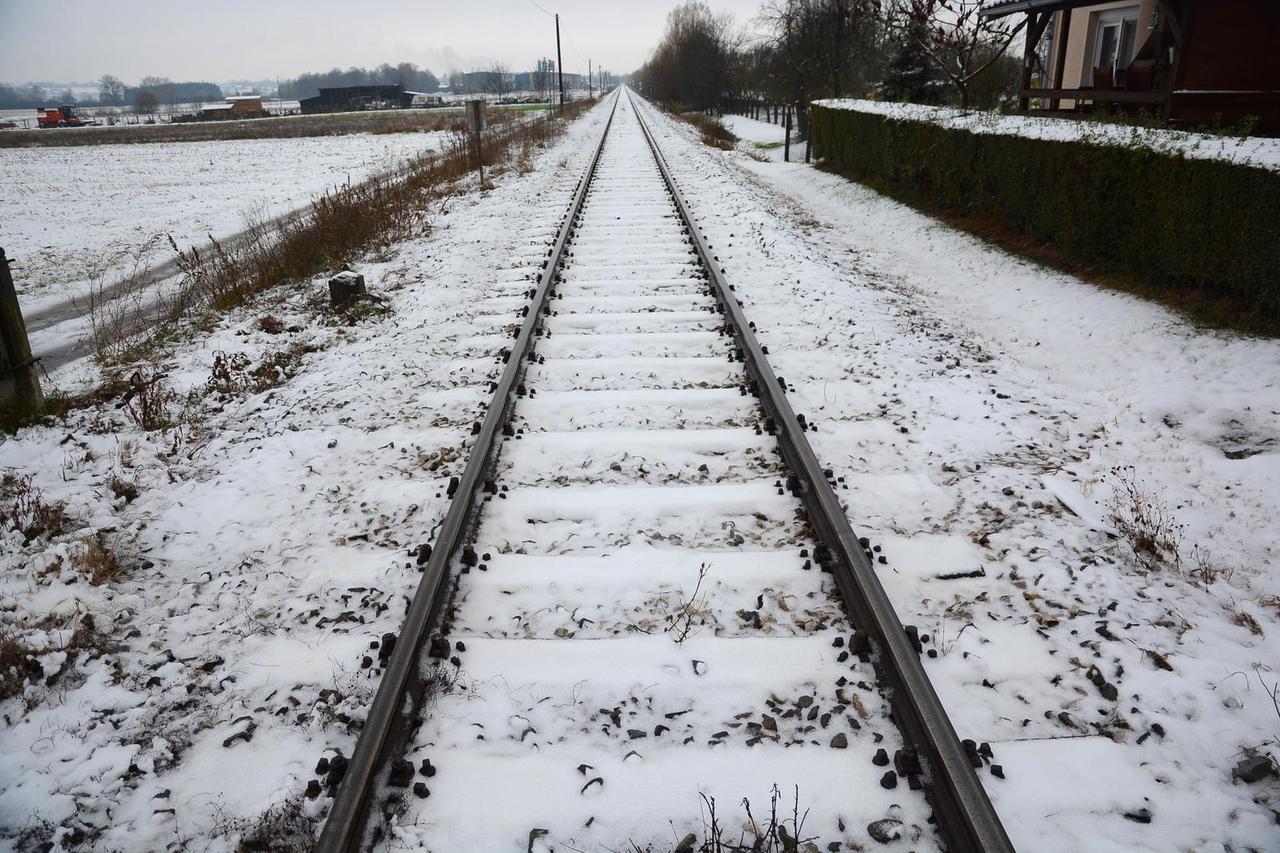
column 65, row 40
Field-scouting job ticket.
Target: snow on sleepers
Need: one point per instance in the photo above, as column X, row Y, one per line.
column 601, row 374
column 633, row 590
column 635, row 322
column 654, row 408
column 641, row 618
column 650, row 303
column 639, row 456
column 649, row 344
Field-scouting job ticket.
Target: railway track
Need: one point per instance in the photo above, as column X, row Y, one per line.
column 645, row 611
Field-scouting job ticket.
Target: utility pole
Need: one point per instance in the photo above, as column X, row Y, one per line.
column 559, row 63
column 591, row 91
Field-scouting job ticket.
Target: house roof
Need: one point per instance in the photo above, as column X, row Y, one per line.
column 1000, row 8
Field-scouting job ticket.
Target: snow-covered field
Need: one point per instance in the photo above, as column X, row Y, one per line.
column 984, row 411
column 1264, row 153
column 264, row 548
column 69, row 213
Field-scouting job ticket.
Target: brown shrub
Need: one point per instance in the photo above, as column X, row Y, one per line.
column 270, row 323
column 97, row 560
column 149, row 401
column 1144, row 522
column 24, row 508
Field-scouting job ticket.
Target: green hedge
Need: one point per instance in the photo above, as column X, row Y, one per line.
column 1174, row 221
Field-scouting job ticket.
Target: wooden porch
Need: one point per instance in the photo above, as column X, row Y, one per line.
column 1199, row 61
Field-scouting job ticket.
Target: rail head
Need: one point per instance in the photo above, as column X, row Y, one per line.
column 962, row 809
column 347, row 828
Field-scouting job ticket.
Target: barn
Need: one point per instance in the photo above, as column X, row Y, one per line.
column 344, row 99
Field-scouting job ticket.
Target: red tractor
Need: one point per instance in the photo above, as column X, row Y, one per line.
column 64, row 116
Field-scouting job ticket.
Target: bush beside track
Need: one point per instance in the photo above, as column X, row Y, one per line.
column 1198, row 231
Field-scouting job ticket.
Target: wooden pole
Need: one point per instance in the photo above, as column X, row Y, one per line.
column 19, row 383
column 1060, row 36
column 1036, row 23
column 808, row 136
column 560, row 64
column 786, row 150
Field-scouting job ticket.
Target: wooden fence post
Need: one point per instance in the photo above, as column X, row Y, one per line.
column 808, row 132
column 19, row 384
column 786, row 150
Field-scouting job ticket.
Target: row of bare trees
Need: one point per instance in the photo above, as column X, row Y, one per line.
column 926, row 51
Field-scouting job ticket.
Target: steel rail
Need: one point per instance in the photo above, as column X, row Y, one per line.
column 398, row 698
column 961, row 808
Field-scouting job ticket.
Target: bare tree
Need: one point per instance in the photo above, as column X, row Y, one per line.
column 146, row 102
column 691, row 65
column 110, row 90
column 497, row 79
column 959, row 41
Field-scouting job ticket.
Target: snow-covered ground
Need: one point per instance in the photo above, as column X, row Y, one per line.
column 989, row 411
column 264, row 548
column 1264, row 153
column 982, row 410
column 71, row 213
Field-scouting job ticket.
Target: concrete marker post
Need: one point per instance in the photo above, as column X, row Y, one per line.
column 19, row 384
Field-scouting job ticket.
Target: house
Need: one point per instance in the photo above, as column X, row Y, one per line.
column 1194, row 62
column 235, row 106
column 345, row 99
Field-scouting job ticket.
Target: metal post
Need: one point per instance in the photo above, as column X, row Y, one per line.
column 559, row 63
column 591, row 82
column 786, row 150
column 18, row 380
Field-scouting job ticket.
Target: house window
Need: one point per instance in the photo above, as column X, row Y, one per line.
column 1114, row 42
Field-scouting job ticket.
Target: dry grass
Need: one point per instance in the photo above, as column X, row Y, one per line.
column 235, row 374
column 1245, row 620
column 713, row 131
column 283, row 828
column 1145, row 522
column 97, row 561
column 23, row 508
column 149, row 402
column 269, row 323
column 19, row 657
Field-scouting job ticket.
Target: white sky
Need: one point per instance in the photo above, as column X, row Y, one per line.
column 65, row 40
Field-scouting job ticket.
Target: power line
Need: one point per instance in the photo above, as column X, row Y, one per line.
column 572, row 45
column 568, row 37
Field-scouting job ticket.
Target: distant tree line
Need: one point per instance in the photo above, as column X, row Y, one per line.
column 154, row 92
column 924, row 51
column 148, row 96
column 405, row 74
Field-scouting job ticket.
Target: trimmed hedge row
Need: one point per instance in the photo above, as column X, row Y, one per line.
column 1177, row 222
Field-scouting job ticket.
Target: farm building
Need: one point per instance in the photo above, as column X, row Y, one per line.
column 1192, row 61
column 344, row 99
column 235, row 106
